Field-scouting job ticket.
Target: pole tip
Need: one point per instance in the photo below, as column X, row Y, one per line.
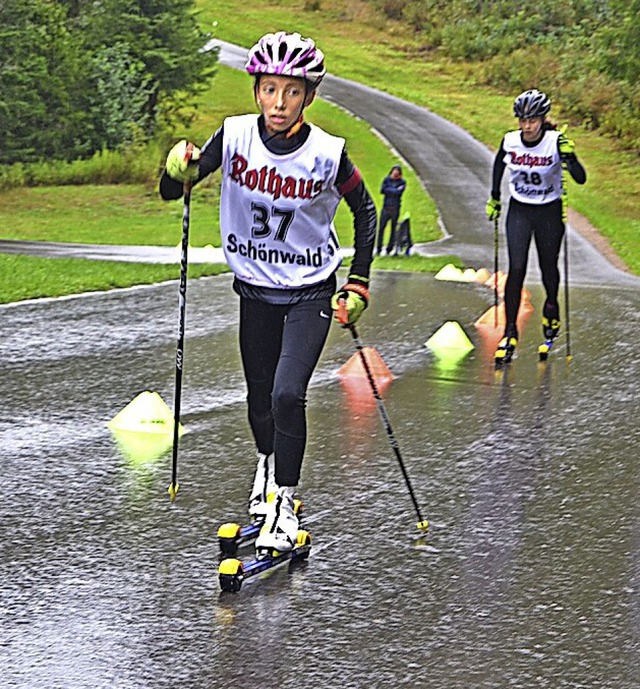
column 423, row 525
column 173, row 491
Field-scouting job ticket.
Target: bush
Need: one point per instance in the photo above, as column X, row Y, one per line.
column 516, row 71
column 139, row 164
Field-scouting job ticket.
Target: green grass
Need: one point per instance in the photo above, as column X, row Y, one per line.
column 414, row 263
column 28, row 277
column 359, row 45
column 135, row 214
column 112, row 214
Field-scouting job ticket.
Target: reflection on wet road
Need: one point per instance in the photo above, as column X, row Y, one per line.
column 529, row 574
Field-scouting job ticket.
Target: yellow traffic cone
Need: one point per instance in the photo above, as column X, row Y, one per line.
column 448, row 337
column 146, row 413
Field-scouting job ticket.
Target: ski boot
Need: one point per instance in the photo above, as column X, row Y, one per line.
column 232, row 535
column 264, row 486
column 506, row 348
column 280, row 529
column 550, row 328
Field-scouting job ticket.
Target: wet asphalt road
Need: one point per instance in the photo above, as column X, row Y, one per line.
column 529, row 575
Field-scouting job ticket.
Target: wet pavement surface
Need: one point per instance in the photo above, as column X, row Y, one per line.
column 529, row 572
column 528, row 576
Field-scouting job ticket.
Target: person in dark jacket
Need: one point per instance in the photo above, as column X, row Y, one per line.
column 393, row 186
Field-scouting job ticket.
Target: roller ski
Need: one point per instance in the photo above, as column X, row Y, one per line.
column 232, row 573
column 505, row 351
column 233, row 536
column 280, row 540
column 550, row 329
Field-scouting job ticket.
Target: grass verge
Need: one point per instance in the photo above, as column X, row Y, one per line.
column 134, row 213
column 30, row 277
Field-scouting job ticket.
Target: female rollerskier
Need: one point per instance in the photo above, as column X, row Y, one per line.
column 282, row 181
column 534, row 154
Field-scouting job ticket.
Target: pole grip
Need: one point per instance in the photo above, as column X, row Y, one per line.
column 342, row 314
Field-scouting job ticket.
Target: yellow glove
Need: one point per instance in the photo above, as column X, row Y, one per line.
column 182, row 162
column 349, row 302
column 567, row 147
column 493, row 209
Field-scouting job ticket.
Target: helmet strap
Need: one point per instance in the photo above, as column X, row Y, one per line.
column 295, row 128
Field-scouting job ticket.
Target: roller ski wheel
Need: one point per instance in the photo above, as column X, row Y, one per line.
column 544, row 349
column 550, row 329
column 231, row 575
column 303, row 541
column 505, row 351
column 232, row 536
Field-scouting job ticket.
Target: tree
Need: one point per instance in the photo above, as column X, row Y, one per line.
column 118, row 102
column 78, row 76
column 161, row 34
column 39, row 116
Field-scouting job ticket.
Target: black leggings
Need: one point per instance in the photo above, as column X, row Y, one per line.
column 280, row 346
column 387, row 216
column 545, row 224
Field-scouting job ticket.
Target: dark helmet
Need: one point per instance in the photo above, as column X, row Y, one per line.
column 532, row 103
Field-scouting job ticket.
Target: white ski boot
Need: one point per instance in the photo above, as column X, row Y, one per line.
column 280, row 529
column 264, row 486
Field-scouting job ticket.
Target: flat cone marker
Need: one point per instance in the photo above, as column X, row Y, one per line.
column 482, row 275
column 490, row 319
column 469, row 275
column 450, row 273
column 146, row 413
column 449, row 338
column 353, row 367
column 526, row 307
column 502, row 279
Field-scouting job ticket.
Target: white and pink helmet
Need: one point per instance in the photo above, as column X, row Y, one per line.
column 287, row 54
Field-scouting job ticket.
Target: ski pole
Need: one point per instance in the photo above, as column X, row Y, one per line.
column 422, row 524
column 182, row 306
column 566, row 291
column 496, row 246
column 565, row 219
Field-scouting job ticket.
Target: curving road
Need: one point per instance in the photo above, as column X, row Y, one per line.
column 454, row 168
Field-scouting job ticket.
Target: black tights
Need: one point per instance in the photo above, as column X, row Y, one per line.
column 545, row 224
column 280, row 346
column 386, row 217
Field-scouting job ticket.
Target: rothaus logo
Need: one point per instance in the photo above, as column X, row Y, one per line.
column 269, row 181
column 527, row 160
